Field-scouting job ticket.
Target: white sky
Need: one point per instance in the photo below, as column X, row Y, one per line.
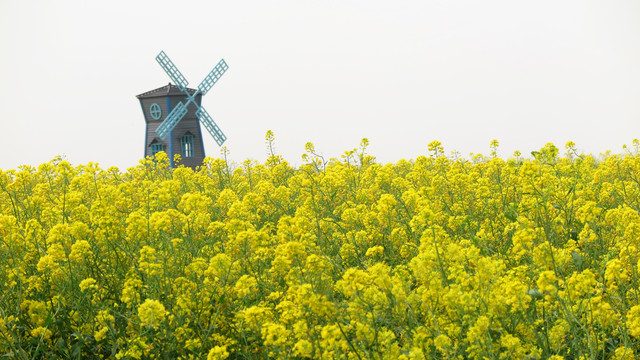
column 401, row 73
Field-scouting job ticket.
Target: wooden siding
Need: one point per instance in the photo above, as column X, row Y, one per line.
column 189, row 123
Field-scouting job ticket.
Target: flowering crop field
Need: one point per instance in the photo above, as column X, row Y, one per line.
column 435, row 258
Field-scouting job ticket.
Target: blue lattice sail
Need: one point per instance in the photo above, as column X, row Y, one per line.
column 213, row 77
column 211, row 126
column 171, row 70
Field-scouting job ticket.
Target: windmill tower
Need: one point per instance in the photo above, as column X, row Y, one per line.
column 173, row 114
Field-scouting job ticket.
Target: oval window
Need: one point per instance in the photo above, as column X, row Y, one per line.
column 155, row 110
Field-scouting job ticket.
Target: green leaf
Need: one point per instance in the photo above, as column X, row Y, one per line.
column 534, row 293
column 577, row 258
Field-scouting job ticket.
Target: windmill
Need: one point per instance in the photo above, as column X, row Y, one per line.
column 173, row 125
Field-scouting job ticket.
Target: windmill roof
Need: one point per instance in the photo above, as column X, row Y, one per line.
column 167, row 90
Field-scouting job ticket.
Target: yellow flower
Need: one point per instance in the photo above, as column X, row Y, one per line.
column 46, row 263
column 151, row 313
column 99, row 335
column 135, row 350
column 624, row 353
column 303, row 348
column 633, row 321
column 193, row 344
column 274, row 334
column 80, row 250
column 442, row 343
column 130, row 291
column 245, row 285
column 38, row 312
column 56, row 251
column 147, row 261
column 273, row 261
column 105, row 321
column 523, row 241
column 375, row 251
column 547, row 282
column 558, row 333
column 88, row 284
column 218, row 353
column 41, row 333
column 513, row 346
column 615, row 273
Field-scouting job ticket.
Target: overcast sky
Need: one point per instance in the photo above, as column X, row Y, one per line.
column 401, row 73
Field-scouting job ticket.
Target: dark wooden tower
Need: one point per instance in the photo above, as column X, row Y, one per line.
column 185, row 138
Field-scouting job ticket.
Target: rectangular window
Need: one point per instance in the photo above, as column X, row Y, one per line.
column 186, row 144
column 156, row 148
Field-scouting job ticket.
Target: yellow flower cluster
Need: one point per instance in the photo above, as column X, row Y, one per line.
column 436, row 257
column 151, row 313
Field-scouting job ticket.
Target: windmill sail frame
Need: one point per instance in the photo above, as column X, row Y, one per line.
column 180, row 110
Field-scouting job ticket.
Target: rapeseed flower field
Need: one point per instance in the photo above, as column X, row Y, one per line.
column 439, row 257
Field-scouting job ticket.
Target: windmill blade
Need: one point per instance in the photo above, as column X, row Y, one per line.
column 211, row 126
column 171, row 121
column 171, row 70
column 213, row 77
